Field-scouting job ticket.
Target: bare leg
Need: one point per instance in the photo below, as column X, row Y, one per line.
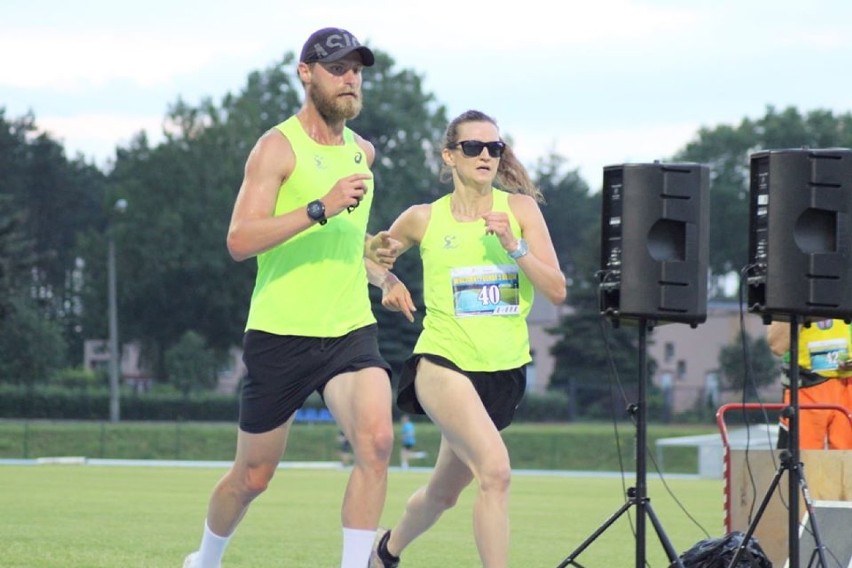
column 471, row 448
column 428, row 503
column 361, row 404
column 254, row 465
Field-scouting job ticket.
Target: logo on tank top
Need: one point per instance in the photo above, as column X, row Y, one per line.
column 358, row 157
column 450, row 242
column 318, row 162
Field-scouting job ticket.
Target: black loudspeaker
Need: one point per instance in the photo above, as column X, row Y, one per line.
column 799, row 241
column 654, row 242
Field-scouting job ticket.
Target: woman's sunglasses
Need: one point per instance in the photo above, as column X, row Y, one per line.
column 473, row 148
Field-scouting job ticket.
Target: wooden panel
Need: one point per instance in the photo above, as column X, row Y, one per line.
column 828, row 474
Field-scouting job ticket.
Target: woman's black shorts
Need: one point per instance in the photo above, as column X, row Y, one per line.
column 500, row 391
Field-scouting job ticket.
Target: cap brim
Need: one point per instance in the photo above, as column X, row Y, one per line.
column 367, row 57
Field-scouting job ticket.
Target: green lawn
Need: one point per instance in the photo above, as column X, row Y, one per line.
column 90, row 516
column 564, row 446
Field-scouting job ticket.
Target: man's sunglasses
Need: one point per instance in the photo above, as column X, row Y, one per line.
column 473, row 148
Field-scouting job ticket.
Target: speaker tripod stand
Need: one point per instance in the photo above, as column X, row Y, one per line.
column 636, row 496
column 790, row 463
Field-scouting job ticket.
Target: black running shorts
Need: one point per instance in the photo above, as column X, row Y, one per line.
column 283, row 371
column 500, row 391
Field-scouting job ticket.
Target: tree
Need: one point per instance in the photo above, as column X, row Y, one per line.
column 190, row 364
column 590, row 349
column 58, row 199
column 747, row 364
column 586, row 346
column 572, row 213
column 31, row 344
column 726, row 149
column 16, row 256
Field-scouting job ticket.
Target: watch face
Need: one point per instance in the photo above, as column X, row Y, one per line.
column 316, row 210
column 522, row 249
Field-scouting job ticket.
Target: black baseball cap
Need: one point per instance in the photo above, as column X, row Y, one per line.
column 332, row 44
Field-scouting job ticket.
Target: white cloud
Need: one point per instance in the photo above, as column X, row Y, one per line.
column 450, row 25
column 591, row 150
column 73, row 61
column 603, row 82
column 98, row 135
column 824, row 39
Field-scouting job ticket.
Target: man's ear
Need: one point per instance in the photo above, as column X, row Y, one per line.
column 304, row 72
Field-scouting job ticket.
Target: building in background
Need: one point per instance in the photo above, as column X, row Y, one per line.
column 543, row 316
column 687, row 358
column 134, row 374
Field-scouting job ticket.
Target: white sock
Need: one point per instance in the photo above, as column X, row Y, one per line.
column 357, row 545
column 211, row 550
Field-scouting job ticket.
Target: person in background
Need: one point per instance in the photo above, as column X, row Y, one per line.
column 302, row 212
column 825, row 377
column 344, row 449
column 408, row 442
column 483, row 250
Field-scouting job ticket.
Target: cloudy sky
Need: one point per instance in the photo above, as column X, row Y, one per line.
column 598, row 81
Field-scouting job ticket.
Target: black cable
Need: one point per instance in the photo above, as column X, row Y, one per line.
column 613, row 380
column 647, row 449
column 749, row 378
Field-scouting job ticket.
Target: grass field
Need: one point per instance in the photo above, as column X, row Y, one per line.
column 89, row 516
column 559, row 446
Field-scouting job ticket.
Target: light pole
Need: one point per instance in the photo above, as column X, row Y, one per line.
column 114, row 355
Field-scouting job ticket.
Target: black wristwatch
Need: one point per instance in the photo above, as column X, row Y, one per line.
column 316, row 211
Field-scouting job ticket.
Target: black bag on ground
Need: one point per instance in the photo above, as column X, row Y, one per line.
column 718, row 553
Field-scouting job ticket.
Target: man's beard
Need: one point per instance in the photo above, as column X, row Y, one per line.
column 333, row 108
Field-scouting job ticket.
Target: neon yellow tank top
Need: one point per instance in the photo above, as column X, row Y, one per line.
column 477, row 299
column 823, row 346
column 315, row 284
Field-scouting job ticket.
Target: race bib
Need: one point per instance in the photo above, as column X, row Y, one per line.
column 485, row 290
column 827, row 355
